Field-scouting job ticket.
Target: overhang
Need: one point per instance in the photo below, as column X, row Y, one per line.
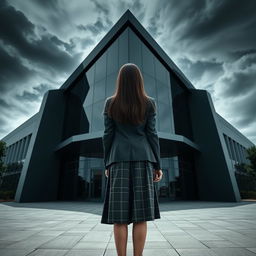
column 90, row 144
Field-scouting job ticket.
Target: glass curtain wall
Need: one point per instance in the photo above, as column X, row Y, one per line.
column 103, row 74
column 83, row 177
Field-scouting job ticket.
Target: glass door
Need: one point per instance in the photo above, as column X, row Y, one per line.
column 163, row 188
column 96, row 184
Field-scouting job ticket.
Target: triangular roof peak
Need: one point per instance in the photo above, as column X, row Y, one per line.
column 127, row 19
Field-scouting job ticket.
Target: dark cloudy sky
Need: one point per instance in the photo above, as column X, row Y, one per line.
column 213, row 42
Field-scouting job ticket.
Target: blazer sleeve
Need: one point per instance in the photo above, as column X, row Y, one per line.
column 109, row 130
column 152, row 135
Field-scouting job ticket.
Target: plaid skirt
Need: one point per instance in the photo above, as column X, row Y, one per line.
column 130, row 194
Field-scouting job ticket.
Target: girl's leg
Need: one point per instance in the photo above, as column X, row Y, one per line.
column 121, row 236
column 139, row 233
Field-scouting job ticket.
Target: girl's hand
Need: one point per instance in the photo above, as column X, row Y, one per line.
column 157, row 175
column 107, row 172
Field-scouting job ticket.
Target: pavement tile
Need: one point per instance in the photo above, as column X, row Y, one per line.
column 194, row 228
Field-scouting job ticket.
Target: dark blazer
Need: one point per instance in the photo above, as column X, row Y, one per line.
column 127, row 142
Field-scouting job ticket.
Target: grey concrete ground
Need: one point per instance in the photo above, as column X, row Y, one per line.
column 73, row 228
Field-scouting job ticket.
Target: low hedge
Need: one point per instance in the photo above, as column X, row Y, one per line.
column 8, row 194
column 248, row 194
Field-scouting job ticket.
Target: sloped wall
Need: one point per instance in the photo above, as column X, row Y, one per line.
column 40, row 173
column 215, row 177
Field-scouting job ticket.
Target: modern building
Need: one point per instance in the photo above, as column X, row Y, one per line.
column 60, row 149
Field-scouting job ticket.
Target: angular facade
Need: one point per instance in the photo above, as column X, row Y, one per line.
column 60, row 149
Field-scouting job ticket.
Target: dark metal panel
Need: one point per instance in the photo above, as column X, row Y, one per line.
column 216, row 180
column 40, row 172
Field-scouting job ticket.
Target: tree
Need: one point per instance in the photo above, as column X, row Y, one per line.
column 242, row 168
column 251, row 155
column 246, row 175
column 2, row 155
column 248, row 169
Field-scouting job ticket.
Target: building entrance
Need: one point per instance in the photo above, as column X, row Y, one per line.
column 95, row 186
column 165, row 189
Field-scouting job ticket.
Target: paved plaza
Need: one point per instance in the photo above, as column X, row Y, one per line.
column 193, row 228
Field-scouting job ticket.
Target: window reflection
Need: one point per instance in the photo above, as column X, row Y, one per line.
column 163, row 94
column 97, row 119
column 147, row 61
column 112, row 58
column 103, row 74
column 99, row 90
column 135, row 49
column 84, row 178
column 111, row 84
column 165, row 122
column 100, row 69
column 161, row 72
column 88, row 112
column 149, row 84
column 123, row 48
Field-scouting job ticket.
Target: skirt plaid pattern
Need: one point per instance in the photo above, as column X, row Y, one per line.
column 130, row 193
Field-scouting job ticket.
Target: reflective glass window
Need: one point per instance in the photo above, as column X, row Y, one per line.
column 112, row 58
column 163, row 93
column 101, row 65
column 123, row 48
column 135, row 46
column 147, row 61
column 99, row 90
column 88, row 112
column 161, row 72
column 90, row 78
column 150, row 85
column 111, row 84
column 97, row 120
column 165, row 123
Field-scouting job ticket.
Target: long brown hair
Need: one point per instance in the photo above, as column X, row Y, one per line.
column 130, row 100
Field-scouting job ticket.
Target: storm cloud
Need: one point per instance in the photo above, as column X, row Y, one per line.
column 212, row 42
